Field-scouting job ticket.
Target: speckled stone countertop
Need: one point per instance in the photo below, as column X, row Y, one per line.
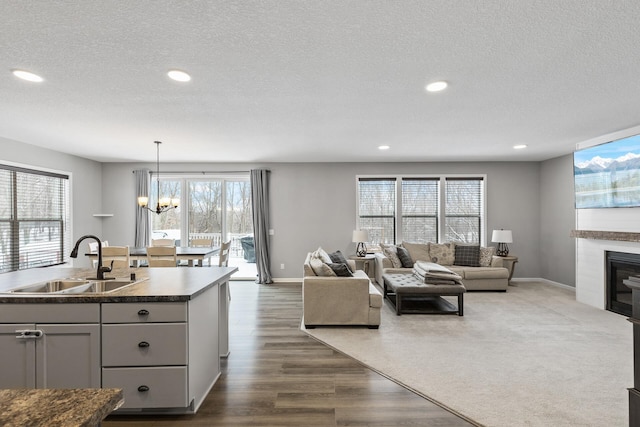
column 57, row 407
column 153, row 284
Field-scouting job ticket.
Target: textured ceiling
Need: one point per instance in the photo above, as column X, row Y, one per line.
column 285, row 81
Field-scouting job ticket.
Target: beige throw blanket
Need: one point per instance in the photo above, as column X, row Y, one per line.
column 435, row 274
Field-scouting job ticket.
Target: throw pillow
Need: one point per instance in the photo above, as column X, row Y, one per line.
column 418, row 251
column 341, row 270
column 441, row 253
column 390, row 251
column 405, row 257
column 321, row 268
column 486, row 255
column 338, row 258
column 322, row 255
column 467, row 255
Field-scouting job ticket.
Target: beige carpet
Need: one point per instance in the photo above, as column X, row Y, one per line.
column 530, row 357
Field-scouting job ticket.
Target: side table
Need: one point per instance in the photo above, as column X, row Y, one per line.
column 362, row 262
column 510, row 264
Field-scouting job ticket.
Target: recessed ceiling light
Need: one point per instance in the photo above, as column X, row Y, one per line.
column 436, row 86
column 179, row 76
column 383, row 147
column 519, row 147
column 26, row 75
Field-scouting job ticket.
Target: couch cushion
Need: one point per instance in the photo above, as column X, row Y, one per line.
column 321, row 268
column 486, row 255
column 338, row 258
column 405, row 257
column 322, row 255
column 443, row 253
column 391, row 252
column 418, row 251
column 467, row 255
column 485, row 273
column 307, row 270
column 341, row 270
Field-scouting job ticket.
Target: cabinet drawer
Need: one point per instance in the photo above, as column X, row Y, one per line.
column 144, row 312
column 150, row 344
column 50, row 313
column 162, row 387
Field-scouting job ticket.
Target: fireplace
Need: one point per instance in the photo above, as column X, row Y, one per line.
column 620, row 266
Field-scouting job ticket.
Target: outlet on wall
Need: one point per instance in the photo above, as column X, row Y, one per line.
column 281, row 266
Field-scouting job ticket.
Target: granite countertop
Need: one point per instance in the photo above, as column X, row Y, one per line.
column 58, row 407
column 153, row 284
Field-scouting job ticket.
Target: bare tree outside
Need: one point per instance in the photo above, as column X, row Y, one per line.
column 205, row 208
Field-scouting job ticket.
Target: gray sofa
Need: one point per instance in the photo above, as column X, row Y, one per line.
column 492, row 277
column 332, row 300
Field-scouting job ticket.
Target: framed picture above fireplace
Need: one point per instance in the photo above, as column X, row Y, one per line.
column 608, row 175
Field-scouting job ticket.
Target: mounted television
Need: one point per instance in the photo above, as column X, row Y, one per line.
column 608, row 175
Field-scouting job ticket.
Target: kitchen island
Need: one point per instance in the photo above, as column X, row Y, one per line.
column 158, row 338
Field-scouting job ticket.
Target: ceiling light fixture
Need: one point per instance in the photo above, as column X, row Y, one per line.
column 519, row 147
column 179, row 76
column 383, row 147
column 436, row 86
column 28, row 76
column 164, row 203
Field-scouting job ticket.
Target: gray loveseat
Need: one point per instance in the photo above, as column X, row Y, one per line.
column 490, row 276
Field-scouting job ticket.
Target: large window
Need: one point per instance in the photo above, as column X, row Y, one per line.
column 211, row 207
column 422, row 209
column 34, row 218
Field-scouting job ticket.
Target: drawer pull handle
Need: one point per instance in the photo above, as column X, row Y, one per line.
column 143, row 388
column 143, row 312
column 143, row 344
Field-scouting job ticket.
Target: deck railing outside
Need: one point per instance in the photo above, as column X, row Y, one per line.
column 236, row 246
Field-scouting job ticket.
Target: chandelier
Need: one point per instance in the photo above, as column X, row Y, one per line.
column 164, row 203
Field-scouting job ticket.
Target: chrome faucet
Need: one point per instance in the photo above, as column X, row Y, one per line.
column 101, row 270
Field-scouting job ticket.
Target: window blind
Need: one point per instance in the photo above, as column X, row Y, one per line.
column 463, row 209
column 430, row 208
column 420, row 209
column 377, row 208
column 34, row 218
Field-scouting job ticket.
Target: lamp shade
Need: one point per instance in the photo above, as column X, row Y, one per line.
column 360, row 236
column 502, row 236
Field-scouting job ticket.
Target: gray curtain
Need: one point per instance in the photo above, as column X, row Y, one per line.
column 143, row 229
column 260, row 206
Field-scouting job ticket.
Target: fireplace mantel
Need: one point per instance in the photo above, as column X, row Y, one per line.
column 620, row 236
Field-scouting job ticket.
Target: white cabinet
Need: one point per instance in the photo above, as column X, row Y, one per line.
column 36, row 354
column 164, row 355
column 18, row 358
column 145, row 353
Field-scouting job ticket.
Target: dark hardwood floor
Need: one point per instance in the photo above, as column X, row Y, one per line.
column 276, row 375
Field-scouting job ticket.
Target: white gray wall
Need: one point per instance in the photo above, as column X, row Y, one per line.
column 86, row 183
column 557, row 219
column 314, row 204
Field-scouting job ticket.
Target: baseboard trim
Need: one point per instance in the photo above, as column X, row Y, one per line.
column 547, row 281
column 290, row 280
column 294, row 280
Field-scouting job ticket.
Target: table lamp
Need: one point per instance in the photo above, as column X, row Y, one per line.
column 360, row 236
column 502, row 237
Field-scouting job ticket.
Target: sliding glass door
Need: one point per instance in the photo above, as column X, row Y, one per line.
column 211, row 207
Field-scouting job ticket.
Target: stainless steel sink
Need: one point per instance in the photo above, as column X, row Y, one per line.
column 102, row 286
column 77, row 286
column 54, row 286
